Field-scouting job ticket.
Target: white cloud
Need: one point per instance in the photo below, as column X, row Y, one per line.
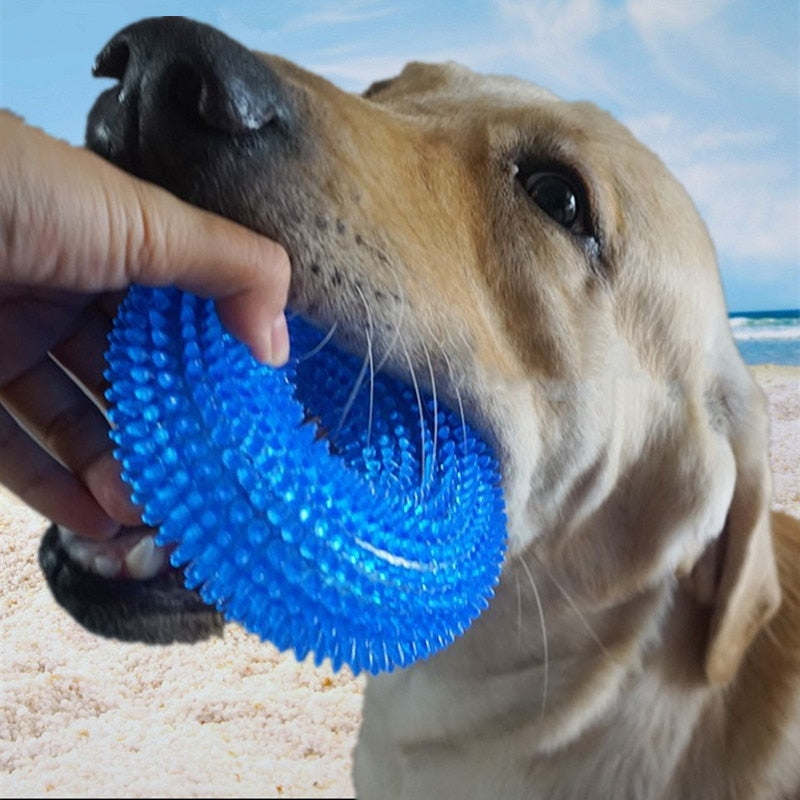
column 558, row 24
column 326, row 22
column 355, row 73
column 750, row 209
column 743, row 191
column 691, row 43
column 339, row 13
column 748, row 59
column 650, row 17
column 680, row 141
column 554, row 38
column 549, row 40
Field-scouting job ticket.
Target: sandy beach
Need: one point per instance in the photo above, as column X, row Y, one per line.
column 84, row 716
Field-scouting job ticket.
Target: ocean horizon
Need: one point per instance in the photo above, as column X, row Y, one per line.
column 767, row 337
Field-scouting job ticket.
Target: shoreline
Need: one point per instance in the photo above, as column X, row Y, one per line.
column 788, row 371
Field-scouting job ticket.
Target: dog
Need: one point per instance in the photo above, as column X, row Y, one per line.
column 543, row 269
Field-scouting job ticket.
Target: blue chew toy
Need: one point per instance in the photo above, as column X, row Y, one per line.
column 375, row 545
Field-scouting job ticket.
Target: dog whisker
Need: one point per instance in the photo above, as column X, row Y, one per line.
column 367, row 364
column 359, row 382
column 581, row 616
column 415, row 385
column 519, row 610
column 369, row 353
column 435, row 401
column 457, row 392
column 398, row 324
column 370, row 356
column 317, row 348
column 545, row 648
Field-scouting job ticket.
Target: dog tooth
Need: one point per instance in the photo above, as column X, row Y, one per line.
column 144, row 559
column 106, row 566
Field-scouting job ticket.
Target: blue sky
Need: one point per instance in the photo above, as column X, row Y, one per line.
column 711, row 85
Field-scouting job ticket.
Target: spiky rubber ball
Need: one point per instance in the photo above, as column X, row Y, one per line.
column 350, row 518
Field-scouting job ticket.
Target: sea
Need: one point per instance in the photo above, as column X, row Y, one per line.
column 768, row 337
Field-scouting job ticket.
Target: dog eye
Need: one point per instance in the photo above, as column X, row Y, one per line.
column 560, row 192
column 555, row 195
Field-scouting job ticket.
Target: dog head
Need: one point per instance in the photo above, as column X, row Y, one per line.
column 527, row 256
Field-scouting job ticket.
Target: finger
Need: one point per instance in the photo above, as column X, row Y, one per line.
column 70, row 427
column 33, row 322
column 42, row 483
column 83, row 353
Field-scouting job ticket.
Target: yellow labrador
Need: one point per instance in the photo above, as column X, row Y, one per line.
column 545, row 270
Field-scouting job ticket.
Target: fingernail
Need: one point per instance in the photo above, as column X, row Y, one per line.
column 102, row 476
column 279, row 340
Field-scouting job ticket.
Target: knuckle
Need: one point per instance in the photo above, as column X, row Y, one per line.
column 142, row 241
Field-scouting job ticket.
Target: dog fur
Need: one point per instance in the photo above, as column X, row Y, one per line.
column 644, row 641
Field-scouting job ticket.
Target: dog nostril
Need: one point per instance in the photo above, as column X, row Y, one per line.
column 113, row 60
column 184, row 91
column 217, row 100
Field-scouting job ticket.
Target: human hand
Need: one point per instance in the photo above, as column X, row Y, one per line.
column 74, row 232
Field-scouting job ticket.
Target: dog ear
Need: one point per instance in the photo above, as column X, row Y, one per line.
column 746, row 590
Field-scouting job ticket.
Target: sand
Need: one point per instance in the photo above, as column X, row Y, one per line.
column 83, row 716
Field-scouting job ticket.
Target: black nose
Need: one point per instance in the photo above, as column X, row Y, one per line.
column 181, row 83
